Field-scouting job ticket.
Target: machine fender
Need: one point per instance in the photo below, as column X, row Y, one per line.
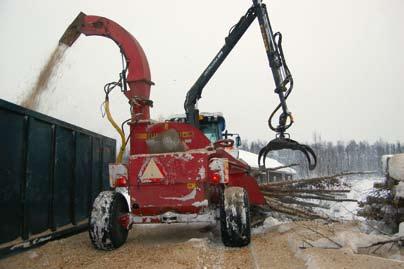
column 124, row 193
column 250, row 185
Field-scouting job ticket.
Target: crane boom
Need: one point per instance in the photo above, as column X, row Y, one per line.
column 280, row 71
column 194, row 94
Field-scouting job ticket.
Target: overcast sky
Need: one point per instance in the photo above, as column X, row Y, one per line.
column 346, row 58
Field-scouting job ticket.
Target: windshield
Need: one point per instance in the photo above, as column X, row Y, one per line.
column 211, row 131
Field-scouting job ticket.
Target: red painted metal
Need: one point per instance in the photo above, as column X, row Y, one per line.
column 138, row 78
column 192, row 137
column 165, row 182
column 121, row 182
column 169, row 182
column 125, row 220
column 239, row 176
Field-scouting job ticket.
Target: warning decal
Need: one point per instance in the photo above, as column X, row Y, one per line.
column 151, row 172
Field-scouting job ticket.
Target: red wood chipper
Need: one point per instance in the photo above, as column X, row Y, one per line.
column 175, row 173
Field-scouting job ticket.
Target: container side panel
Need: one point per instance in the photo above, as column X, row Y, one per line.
column 108, row 156
column 96, row 181
column 39, row 161
column 64, row 158
column 50, row 173
column 83, row 176
column 11, row 174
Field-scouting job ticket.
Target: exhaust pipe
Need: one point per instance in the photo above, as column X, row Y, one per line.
column 73, row 31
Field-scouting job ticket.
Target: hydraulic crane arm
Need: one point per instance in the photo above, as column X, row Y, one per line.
column 281, row 74
column 194, row 94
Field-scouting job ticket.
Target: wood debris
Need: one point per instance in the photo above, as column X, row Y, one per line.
column 300, row 197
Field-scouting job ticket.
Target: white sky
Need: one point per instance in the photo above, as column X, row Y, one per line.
column 346, row 58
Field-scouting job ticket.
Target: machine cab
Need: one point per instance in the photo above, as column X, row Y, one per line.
column 213, row 125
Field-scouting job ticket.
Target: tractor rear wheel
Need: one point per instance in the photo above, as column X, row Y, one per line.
column 235, row 217
column 105, row 225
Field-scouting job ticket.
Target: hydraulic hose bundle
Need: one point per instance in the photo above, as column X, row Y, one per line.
column 117, row 128
column 135, row 79
column 284, row 86
column 107, row 90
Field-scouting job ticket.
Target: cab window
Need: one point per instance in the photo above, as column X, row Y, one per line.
column 211, row 131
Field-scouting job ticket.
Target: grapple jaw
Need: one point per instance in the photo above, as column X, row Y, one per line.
column 280, row 143
column 73, row 31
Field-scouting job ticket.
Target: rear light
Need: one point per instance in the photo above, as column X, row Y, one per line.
column 215, row 178
column 116, row 172
column 218, row 171
column 121, row 182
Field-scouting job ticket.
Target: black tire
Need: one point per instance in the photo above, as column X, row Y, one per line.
column 235, row 217
column 105, row 230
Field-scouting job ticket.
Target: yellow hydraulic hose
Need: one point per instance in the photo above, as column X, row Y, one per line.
column 118, row 129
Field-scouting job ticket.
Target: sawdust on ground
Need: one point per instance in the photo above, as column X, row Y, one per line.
column 192, row 246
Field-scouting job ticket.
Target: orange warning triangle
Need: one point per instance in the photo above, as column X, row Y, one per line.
column 152, row 171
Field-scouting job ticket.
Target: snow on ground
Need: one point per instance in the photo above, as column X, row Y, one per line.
column 360, row 188
column 341, row 245
column 268, row 224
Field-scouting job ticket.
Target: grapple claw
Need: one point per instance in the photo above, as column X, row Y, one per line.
column 260, row 154
column 280, row 143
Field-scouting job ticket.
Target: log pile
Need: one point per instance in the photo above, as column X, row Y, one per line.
column 384, row 205
column 386, row 202
column 300, row 197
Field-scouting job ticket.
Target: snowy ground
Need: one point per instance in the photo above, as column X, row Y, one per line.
column 194, row 246
column 360, row 188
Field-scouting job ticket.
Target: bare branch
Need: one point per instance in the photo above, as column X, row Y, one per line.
column 323, row 235
column 283, row 166
column 317, row 179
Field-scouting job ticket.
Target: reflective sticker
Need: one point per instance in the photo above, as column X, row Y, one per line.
column 226, row 171
column 191, row 185
column 151, row 173
column 142, row 136
column 264, row 34
column 186, row 134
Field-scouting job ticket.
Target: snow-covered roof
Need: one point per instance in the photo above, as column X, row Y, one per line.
column 252, row 160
